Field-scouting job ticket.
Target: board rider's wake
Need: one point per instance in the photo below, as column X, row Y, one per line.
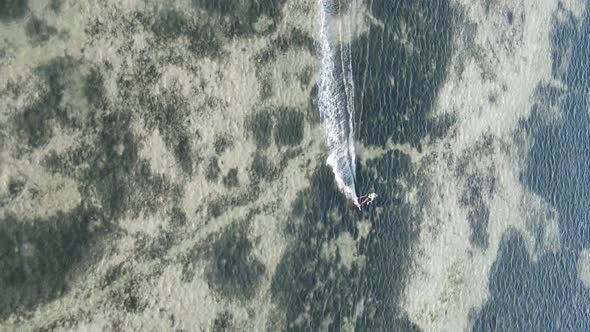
column 336, row 100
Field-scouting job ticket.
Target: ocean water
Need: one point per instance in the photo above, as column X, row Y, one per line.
column 548, row 295
column 163, row 166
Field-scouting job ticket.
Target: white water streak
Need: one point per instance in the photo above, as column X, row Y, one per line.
column 336, row 98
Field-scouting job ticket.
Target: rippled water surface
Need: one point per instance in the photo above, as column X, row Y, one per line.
column 163, row 166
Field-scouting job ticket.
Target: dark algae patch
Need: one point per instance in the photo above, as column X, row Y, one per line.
column 479, row 188
column 62, row 77
column 395, row 230
column 171, row 24
column 289, row 128
column 231, row 178
column 222, row 143
column 177, row 217
column 238, row 17
column 223, row 322
column 262, row 169
column 320, row 287
column 127, row 298
column 16, row 186
column 169, row 114
column 182, row 153
column 94, row 89
column 115, row 175
column 401, row 111
column 213, row 170
column 215, row 209
column 38, row 257
column 55, row 5
column 12, row 9
column 295, row 39
column 38, row 30
column 288, row 131
column 312, row 115
column 478, row 222
column 234, row 270
column 260, row 125
column 479, row 212
column 295, row 284
column 112, row 165
column 266, row 90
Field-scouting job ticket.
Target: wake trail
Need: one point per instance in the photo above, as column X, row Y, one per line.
column 336, row 99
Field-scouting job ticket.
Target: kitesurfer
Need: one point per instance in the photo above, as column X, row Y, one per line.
column 368, row 199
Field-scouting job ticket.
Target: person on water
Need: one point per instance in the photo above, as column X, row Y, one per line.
column 368, row 199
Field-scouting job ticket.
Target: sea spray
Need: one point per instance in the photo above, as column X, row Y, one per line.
column 336, row 98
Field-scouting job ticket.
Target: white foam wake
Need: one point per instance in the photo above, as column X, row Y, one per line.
column 336, row 99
